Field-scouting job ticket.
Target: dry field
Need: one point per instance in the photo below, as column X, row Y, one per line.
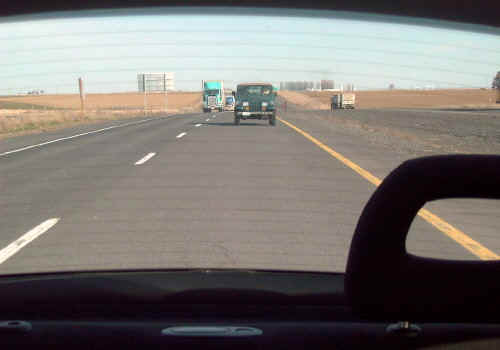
column 471, row 98
column 176, row 101
column 31, row 114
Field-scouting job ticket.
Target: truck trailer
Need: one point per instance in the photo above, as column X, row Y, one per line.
column 343, row 100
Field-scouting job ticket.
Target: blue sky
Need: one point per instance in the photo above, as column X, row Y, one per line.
column 108, row 52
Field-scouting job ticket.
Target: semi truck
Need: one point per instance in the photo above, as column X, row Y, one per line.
column 213, row 95
column 343, row 100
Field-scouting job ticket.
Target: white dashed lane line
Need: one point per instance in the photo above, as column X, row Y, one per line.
column 197, row 125
column 207, row 120
column 25, row 239
column 181, row 135
column 145, row 158
column 74, row 136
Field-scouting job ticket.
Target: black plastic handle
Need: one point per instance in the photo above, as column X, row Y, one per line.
column 382, row 278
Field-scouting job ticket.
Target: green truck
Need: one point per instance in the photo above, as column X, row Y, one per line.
column 255, row 101
column 213, row 95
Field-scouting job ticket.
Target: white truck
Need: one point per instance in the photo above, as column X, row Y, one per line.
column 343, row 100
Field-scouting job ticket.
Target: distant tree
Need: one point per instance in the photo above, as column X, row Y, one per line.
column 496, row 82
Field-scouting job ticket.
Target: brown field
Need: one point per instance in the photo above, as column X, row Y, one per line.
column 32, row 114
column 471, row 98
column 176, row 101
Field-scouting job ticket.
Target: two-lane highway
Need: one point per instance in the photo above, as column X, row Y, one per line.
column 49, row 180
column 186, row 191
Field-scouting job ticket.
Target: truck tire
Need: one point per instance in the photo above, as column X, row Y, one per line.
column 272, row 120
column 236, row 120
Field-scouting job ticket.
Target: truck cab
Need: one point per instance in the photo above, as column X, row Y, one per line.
column 213, row 96
column 255, row 101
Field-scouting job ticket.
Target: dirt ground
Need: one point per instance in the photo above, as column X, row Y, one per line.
column 470, row 98
column 191, row 101
column 33, row 114
column 176, row 101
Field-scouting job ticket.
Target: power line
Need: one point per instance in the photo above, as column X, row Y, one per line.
column 245, row 69
column 246, row 44
column 334, row 34
column 285, row 58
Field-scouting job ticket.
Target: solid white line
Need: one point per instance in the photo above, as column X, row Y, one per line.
column 181, row 134
column 197, row 125
column 73, row 136
column 29, row 236
column 145, row 158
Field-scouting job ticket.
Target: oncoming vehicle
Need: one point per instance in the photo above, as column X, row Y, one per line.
column 255, row 101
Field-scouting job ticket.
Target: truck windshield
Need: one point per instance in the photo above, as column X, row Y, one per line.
column 254, row 90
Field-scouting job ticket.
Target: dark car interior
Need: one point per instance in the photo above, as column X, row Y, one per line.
column 387, row 298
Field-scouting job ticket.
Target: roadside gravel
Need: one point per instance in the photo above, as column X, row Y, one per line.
column 415, row 132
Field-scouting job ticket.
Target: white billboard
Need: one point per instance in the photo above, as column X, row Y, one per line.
column 155, row 82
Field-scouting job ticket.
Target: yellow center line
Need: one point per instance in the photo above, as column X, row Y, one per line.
column 454, row 233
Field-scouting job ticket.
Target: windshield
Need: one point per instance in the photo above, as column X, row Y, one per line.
column 255, row 90
column 113, row 157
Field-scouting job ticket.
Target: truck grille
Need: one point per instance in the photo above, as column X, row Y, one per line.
column 255, row 107
column 212, row 101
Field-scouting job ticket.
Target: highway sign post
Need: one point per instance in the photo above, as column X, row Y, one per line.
column 155, row 83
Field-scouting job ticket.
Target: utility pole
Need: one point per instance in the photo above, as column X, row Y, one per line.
column 145, row 97
column 82, row 95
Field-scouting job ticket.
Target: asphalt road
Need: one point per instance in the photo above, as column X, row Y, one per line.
column 196, row 191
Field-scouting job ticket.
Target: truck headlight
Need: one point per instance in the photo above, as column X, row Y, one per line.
column 244, row 103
